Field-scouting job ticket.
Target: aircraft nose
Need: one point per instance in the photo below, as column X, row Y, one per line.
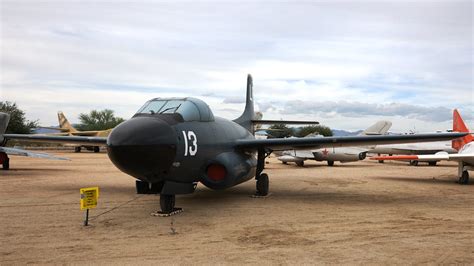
column 143, row 147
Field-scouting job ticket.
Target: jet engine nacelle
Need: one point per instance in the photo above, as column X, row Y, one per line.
column 342, row 157
column 228, row 169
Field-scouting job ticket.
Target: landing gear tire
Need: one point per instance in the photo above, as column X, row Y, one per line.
column 167, row 203
column 77, row 149
column 464, row 178
column 142, row 187
column 300, row 163
column 284, row 162
column 262, row 185
column 432, row 163
column 330, row 163
column 381, row 161
column 414, row 163
column 96, row 149
column 6, row 164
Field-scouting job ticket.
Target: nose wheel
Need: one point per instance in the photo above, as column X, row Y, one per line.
column 167, row 204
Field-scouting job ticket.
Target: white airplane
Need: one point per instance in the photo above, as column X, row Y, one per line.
column 464, row 157
column 341, row 154
column 5, row 151
column 414, row 149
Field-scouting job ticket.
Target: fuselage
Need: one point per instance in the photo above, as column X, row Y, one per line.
column 164, row 148
column 414, row 148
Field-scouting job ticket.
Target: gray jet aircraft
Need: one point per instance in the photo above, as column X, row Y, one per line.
column 171, row 144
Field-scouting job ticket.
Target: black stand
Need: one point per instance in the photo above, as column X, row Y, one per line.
column 86, row 222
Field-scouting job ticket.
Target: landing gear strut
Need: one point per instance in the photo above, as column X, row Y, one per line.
column 263, row 182
column 330, row 163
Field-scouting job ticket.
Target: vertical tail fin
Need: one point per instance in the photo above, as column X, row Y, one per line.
column 64, row 123
column 379, row 128
column 4, row 119
column 245, row 120
column 460, row 126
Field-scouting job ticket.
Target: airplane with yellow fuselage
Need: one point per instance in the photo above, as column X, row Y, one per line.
column 68, row 130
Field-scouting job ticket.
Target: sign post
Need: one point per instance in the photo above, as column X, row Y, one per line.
column 89, row 197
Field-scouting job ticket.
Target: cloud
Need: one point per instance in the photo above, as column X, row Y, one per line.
column 356, row 53
column 358, row 109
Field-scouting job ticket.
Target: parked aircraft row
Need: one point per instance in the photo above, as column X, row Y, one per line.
column 464, row 147
column 171, row 144
column 352, row 154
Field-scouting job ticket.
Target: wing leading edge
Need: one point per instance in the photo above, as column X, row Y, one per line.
column 82, row 140
column 21, row 152
column 313, row 143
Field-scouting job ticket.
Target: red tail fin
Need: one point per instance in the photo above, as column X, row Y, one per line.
column 460, row 126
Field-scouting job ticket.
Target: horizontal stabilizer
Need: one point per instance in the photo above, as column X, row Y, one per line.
column 56, row 128
column 289, row 122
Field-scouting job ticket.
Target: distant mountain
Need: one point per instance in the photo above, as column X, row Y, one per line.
column 45, row 131
column 340, row 132
column 335, row 132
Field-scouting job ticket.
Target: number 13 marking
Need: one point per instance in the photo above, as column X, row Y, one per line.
column 190, row 138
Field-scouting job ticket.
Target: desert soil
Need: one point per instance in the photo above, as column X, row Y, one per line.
column 356, row 213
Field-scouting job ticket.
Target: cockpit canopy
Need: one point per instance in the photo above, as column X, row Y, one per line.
column 191, row 109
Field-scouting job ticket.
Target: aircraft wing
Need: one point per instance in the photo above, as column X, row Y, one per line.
column 314, row 143
column 21, row 152
column 81, row 140
column 432, row 157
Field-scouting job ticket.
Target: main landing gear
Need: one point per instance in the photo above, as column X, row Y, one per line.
column 5, row 161
column 263, row 183
column 464, row 178
column 463, row 174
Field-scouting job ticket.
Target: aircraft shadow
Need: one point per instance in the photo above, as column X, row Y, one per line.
column 424, row 180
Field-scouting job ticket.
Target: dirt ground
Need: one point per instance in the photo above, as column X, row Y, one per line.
column 356, row 213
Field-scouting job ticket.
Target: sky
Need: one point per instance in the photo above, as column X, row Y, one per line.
column 345, row 64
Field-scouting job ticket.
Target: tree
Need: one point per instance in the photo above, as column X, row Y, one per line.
column 320, row 129
column 99, row 120
column 18, row 123
column 280, row 131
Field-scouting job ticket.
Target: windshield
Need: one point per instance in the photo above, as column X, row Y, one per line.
column 161, row 107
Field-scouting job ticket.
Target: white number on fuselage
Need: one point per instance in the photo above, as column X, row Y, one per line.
column 190, row 143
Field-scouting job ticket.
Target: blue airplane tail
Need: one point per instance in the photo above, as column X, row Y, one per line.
column 248, row 116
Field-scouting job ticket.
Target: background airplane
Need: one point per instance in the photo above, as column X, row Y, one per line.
column 414, row 149
column 465, row 156
column 342, row 154
column 5, row 151
column 68, row 130
column 171, row 144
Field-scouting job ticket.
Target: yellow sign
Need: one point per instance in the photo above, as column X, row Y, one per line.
column 89, row 197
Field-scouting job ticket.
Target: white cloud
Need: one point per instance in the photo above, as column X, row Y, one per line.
column 77, row 56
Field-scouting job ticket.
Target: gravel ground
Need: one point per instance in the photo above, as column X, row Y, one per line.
column 356, row 213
